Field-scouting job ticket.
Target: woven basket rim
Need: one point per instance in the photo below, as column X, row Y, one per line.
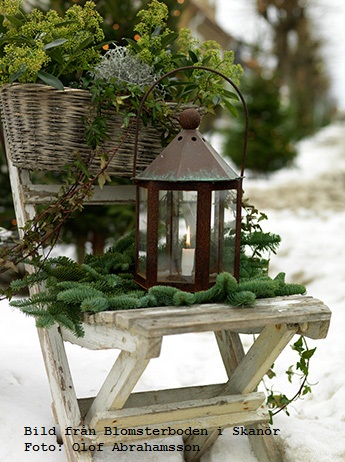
column 40, row 87
column 35, row 143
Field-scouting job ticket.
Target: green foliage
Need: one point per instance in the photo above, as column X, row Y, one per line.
column 207, row 296
column 77, row 296
column 126, row 72
column 202, row 87
column 94, row 304
column 270, row 145
column 105, row 282
column 165, row 50
column 71, row 288
column 255, row 243
column 183, row 298
column 242, row 298
column 278, row 402
column 100, row 284
column 262, row 286
column 260, row 242
column 67, row 47
column 154, row 36
column 46, row 47
column 163, row 294
column 124, row 302
column 225, row 285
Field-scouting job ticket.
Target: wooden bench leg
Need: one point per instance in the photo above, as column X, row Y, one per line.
column 65, row 403
column 260, row 357
column 232, row 352
column 203, row 442
column 231, row 349
column 119, row 384
column 264, row 447
column 122, row 378
column 245, row 373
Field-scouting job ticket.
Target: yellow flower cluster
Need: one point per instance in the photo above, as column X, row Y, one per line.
column 47, row 42
column 155, row 16
column 209, row 53
column 26, row 59
column 150, row 45
column 10, row 7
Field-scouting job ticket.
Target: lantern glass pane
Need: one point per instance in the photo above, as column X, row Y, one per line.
column 142, row 249
column 176, row 236
column 223, row 232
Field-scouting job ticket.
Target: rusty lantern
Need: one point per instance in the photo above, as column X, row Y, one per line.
column 188, row 214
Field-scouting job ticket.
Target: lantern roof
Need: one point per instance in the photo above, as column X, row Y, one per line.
column 189, row 157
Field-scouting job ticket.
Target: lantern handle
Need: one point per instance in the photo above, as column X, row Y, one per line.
column 184, row 68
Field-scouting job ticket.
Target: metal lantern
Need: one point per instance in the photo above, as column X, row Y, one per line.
column 188, row 214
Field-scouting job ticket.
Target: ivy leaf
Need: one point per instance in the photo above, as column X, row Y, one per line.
column 308, row 353
column 290, row 373
column 50, row 79
column 270, row 373
column 298, row 346
column 102, row 179
column 306, row 390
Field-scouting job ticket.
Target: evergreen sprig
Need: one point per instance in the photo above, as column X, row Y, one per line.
column 70, row 289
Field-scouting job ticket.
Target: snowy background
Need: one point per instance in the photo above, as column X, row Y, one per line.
column 239, row 19
column 305, row 205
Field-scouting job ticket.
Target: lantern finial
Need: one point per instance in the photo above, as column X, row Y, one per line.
column 190, row 119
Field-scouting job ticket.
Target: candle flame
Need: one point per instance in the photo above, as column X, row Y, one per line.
column 188, row 237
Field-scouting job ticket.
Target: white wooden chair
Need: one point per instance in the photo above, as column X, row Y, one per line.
column 138, row 334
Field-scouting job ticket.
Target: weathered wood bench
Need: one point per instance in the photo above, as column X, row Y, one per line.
column 139, row 333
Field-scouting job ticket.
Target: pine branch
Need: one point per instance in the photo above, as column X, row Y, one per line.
column 241, row 298
column 77, row 296
column 164, row 295
column 95, row 304
column 123, row 302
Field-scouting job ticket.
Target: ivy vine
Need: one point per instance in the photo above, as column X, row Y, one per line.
column 277, row 401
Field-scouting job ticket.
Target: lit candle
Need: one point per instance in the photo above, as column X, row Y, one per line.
column 187, row 264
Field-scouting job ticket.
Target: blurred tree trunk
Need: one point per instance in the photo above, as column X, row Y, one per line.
column 299, row 64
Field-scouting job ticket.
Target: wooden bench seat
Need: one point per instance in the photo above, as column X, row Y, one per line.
column 139, row 333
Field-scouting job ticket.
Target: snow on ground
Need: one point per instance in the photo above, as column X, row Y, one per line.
column 306, row 206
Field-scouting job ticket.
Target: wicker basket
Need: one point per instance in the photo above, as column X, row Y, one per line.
column 44, row 130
